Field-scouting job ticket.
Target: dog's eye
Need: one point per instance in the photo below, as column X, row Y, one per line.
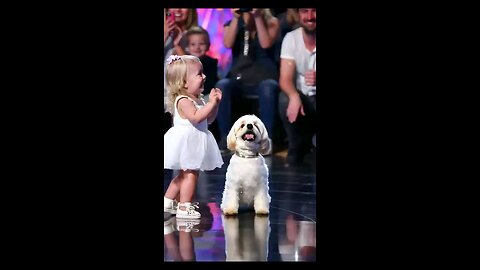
column 242, row 125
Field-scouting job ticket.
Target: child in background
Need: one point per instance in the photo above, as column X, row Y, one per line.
column 188, row 146
column 198, row 44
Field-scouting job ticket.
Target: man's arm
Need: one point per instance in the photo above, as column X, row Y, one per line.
column 287, row 77
column 288, row 73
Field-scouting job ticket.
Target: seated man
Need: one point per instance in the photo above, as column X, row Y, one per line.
column 297, row 101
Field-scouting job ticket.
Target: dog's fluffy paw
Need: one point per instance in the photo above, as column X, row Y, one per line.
column 230, row 211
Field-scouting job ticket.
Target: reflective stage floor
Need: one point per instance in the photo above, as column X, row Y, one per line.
column 287, row 234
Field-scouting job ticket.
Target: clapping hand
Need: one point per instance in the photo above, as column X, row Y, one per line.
column 215, row 95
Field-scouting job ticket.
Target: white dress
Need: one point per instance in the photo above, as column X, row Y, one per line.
column 190, row 147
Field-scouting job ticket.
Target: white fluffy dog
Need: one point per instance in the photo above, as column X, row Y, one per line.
column 247, row 175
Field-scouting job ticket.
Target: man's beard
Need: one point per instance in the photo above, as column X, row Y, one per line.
column 308, row 30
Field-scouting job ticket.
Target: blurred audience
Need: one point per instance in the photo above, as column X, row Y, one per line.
column 297, row 101
column 288, row 21
column 198, row 44
column 177, row 21
column 251, row 34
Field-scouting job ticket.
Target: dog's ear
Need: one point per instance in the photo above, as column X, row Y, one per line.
column 265, row 143
column 265, row 146
column 232, row 139
column 263, row 130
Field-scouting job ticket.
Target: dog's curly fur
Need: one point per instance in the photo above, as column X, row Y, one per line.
column 247, row 178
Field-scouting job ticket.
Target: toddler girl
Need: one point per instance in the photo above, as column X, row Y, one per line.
column 188, row 146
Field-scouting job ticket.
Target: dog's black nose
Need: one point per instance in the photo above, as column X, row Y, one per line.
column 249, row 126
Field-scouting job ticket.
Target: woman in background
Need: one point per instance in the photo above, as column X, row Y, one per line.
column 251, row 34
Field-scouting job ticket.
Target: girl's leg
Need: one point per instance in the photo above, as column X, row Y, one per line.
column 172, row 195
column 186, row 246
column 170, row 240
column 188, row 185
column 172, row 247
column 173, row 190
column 185, row 207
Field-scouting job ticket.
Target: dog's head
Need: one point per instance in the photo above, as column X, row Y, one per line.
column 249, row 133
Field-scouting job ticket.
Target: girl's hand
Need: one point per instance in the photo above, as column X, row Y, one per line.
column 218, row 94
column 213, row 96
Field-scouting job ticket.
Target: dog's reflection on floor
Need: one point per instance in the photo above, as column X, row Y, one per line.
column 246, row 237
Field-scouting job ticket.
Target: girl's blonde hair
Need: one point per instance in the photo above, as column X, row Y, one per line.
column 177, row 77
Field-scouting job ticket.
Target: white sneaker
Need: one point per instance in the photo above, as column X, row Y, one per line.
column 184, row 225
column 189, row 210
column 170, row 205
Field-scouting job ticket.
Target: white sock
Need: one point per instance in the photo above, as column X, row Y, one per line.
column 184, row 204
column 167, row 203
